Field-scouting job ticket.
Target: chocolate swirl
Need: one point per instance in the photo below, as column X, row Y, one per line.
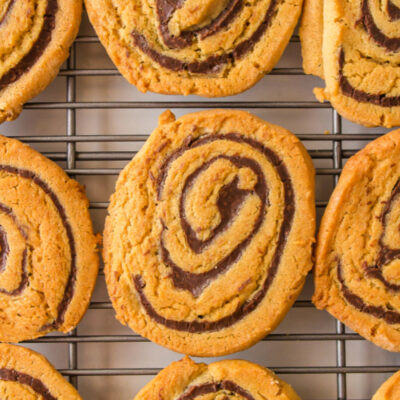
column 38, row 47
column 35, row 384
column 214, row 387
column 5, row 249
column 384, row 257
column 367, row 20
column 213, row 63
column 393, row 11
column 229, row 200
column 165, row 10
column 348, row 90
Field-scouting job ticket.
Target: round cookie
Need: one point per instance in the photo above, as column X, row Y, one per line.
column 358, row 249
column 205, row 47
column 225, row 380
column 48, row 256
column 35, row 36
column 390, row 390
column 209, row 234
column 27, row 375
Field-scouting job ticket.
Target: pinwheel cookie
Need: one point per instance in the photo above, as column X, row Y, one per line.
column 390, row 390
column 205, row 47
column 209, row 236
column 228, row 379
column 357, row 275
column 35, row 36
column 355, row 47
column 48, row 260
column 27, row 375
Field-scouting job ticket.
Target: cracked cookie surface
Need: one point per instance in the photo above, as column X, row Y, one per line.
column 35, row 36
column 27, row 375
column 355, row 46
column 358, row 249
column 390, row 389
column 208, row 238
column 48, row 256
column 210, row 48
column 223, row 380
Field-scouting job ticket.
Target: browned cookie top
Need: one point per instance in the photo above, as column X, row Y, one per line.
column 212, row 48
column 210, row 214
column 48, row 261
column 35, row 36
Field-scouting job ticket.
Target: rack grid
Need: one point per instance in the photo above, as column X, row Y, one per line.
column 71, row 156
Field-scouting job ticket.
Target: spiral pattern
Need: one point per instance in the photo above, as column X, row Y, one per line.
column 221, row 219
column 27, row 375
column 39, row 269
column 5, row 247
column 225, row 380
column 229, row 201
column 193, row 41
column 35, row 36
column 362, row 265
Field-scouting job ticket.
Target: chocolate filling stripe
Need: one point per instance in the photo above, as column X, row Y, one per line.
column 206, row 388
column 7, row 11
column 391, row 317
column 26, row 63
column 393, row 11
column 390, row 44
column 165, row 10
column 214, row 63
column 5, row 250
column 35, row 384
column 288, row 214
column 70, row 285
column 347, row 89
column 386, row 254
column 229, row 201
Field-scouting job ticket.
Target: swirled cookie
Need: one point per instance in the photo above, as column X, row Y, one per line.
column 48, row 259
column 390, row 390
column 357, row 274
column 35, row 36
column 225, row 380
column 209, row 236
column 356, row 48
column 27, row 375
column 205, row 47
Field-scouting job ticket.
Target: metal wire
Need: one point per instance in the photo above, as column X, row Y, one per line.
column 71, row 156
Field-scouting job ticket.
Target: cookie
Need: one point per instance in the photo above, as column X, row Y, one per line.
column 390, row 390
column 27, row 375
column 48, row 258
column 358, row 250
column 358, row 55
column 35, row 37
column 205, row 47
column 225, row 380
column 208, row 239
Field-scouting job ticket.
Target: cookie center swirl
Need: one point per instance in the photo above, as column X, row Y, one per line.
column 244, row 185
column 190, row 24
column 387, row 257
column 229, row 200
column 10, row 250
column 184, row 38
column 206, row 388
column 22, row 49
column 35, row 384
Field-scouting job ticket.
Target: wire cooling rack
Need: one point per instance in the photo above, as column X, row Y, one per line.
column 310, row 349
